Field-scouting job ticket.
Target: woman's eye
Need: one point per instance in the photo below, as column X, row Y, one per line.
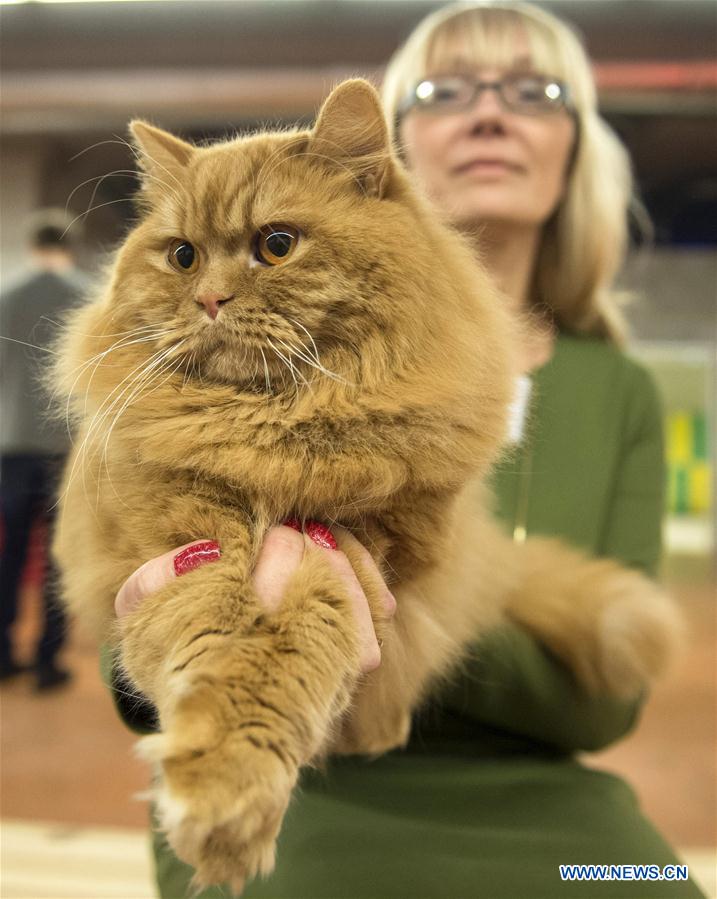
column 183, row 256
column 530, row 89
column 273, row 244
column 534, row 91
column 449, row 90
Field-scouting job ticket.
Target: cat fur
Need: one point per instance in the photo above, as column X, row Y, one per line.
column 390, row 436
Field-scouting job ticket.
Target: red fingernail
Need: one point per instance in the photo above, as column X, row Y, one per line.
column 195, row 555
column 320, row 534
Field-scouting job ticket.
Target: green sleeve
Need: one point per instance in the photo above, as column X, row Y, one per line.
column 513, row 683
column 633, row 529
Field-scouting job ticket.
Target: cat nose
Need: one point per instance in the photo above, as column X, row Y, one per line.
column 211, row 300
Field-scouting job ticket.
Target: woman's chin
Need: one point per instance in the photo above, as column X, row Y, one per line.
column 496, row 219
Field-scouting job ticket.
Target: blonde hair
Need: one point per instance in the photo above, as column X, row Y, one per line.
column 585, row 241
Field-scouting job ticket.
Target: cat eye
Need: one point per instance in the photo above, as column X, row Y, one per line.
column 183, row 256
column 273, row 244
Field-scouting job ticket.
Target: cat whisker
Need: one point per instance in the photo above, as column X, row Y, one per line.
column 367, row 498
column 286, row 363
column 135, row 388
column 197, row 368
column 140, row 391
column 93, row 209
column 270, row 158
column 137, row 330
column 32, row 346
column 97, row 359
column 101, row 414
column 281, row 154
column 82, row 450
column 137, row 702
column 118, row 140
column 367, row 159
column 188, row 369
column 293, row 351
column 128, row 338
column 308, row 334
column 139, row 155
column 336, row 162
column 293, row 370
column 53, row 394
column 40, row 349
column 145, row 376
column 310, row 360
column 140, row 329
column 120, row 344
column 99, row 179
column 266, row 372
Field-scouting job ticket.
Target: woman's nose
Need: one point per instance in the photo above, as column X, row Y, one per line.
column 487, row 108
column 211, row 300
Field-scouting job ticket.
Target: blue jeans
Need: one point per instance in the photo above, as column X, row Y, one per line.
column 27, row 492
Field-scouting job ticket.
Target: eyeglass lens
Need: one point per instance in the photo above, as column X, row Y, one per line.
column 529, row 93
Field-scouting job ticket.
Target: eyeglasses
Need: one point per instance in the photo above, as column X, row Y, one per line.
column 524, row 93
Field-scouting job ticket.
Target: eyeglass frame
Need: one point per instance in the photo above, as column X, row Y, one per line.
column 412, row 102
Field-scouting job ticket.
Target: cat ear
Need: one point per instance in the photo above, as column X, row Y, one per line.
column 161, row 155
column 351, row 130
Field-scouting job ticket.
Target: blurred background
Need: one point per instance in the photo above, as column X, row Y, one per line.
column 74, row 73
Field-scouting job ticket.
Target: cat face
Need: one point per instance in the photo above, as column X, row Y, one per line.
column 295, row 283
column 244, row 270
column 274, row 260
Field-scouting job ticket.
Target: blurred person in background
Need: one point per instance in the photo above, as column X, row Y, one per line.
column 494, row 112
column 33, row 444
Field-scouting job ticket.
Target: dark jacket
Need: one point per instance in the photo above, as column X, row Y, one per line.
column 31, row 313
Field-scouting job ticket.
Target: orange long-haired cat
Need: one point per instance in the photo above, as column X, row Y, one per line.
column 289, row 332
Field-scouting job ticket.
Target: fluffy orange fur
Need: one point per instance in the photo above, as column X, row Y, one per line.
column 362, row 381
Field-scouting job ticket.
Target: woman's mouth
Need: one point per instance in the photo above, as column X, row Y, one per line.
column 491, row 167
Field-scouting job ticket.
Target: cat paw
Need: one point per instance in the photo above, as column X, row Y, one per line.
column 238, row 849
column 221, row 796
column 639, row 635
column 372, row 734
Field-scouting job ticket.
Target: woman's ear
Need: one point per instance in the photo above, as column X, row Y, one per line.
column 351, row 130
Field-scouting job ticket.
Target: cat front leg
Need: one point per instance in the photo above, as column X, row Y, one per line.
column 245, row 698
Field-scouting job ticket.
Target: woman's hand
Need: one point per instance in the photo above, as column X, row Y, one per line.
column 279, row 558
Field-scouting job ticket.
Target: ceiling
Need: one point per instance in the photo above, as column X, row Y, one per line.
column 93, row 65
column 74, row 74
column 228, row 33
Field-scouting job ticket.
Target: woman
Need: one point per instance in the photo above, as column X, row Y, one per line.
column 494, row 112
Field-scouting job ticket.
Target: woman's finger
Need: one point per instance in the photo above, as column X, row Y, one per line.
column 348, row 541
column 279, row 557
column 370, row 656
column 156, row 573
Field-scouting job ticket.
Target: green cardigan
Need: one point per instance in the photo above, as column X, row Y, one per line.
column 486, row 801
column 591, row 468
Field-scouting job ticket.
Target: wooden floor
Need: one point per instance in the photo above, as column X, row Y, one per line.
column 68, row 774
column 63, row 861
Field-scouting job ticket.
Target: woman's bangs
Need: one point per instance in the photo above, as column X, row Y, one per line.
column 494, row 38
